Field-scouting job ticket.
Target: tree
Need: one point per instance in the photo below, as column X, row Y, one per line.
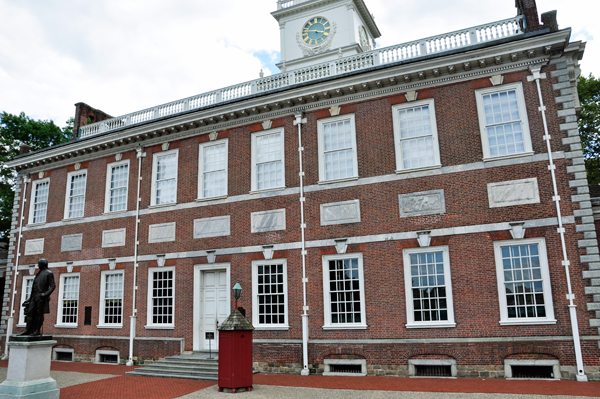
column 17, row 130
column 589, row 125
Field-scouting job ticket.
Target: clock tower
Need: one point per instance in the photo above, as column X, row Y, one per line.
column 316, row 31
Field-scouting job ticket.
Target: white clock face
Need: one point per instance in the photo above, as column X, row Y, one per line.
column 316, row 31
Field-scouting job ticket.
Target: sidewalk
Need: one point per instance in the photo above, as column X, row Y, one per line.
column 100, row 381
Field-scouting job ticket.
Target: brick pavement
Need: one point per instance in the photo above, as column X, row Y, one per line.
column 126, row 387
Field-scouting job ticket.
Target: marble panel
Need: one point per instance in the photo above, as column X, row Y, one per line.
column 113, row 238
column 34, row 247
column 212, row 227
column 163, row 232
column 513, row 192
column 340, row 212
column 422, row 203
column 71, row 242
column 267, row 221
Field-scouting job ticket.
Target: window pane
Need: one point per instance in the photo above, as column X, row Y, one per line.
column 77, row 195
column 162, row 297
column 270, row 292
column 269, row 162
column 166, row 179
column 215, row 170
column 113, row 298
column 40, row 202
column 344, row 295
column 521, row 280
column 429, row 289
column 503, row 123
column 118, row 188
column 70, row 299
column 338, row 151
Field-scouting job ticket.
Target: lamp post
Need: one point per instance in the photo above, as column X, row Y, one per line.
column 237, row 292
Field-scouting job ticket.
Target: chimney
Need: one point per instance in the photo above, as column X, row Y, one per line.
column 528, row 9
column 84, row 114
column 24, row 149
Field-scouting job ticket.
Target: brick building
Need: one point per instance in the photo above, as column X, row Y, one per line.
column 386, row 210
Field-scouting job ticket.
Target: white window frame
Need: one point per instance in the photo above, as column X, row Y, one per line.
column 518, row 87
column 155, row 157
column 109, row 169
column 545, row 272
column 410, row 318
column 70, row 176
column 101, row 323
column 24, row 296
column 255, row 305
column 328, row 325
column 59, row 313
column 398, row 139
column 254, row 170
column 33, row 198
column 201, row 149
column 149, row 323
column 321, row 145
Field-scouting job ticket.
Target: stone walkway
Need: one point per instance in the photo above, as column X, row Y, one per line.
column 100, row 381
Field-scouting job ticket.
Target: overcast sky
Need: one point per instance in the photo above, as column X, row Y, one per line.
column 122, row 56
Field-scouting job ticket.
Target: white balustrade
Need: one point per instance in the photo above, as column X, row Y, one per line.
column 400, row 52
column 289, row 3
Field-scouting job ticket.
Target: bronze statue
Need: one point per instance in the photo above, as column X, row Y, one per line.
column 38, row 302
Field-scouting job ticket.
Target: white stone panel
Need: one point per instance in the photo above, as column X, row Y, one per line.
column 71, row 242
column 113, row 238
column 212, row 227
column 340, row 212
column 161, row 232
column 267, row 221
column 422, row 203
column 34, row 247
column 514, row 192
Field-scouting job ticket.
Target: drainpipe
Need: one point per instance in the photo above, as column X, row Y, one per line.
column 133, row 318
column 11, row 317
column 536, row 75
column 298, row 122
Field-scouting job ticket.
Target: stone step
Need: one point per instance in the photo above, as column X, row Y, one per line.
column 182, row 368
column 142, row 373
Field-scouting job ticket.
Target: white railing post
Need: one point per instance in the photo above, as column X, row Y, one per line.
column 423, row 47
column 473, row 35
column 186, row 104
column 333, row 68
column 253, row 87
column 218, row 96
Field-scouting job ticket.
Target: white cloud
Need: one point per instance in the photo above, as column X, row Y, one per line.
column 128, row 55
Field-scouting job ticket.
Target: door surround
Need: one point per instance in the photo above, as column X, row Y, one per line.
column 198, row 269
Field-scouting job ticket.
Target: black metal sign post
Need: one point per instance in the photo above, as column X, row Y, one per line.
column 210, row 336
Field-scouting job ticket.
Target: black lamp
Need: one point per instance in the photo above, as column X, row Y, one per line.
column 237, row 292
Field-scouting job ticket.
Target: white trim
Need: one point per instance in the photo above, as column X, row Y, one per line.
column 109, row 168
column 70, row 176
column 149, row 309
column 255, row 305
column 34, row 185
column 326, row 300
column 201, row 149
column 518, row 87
column 398, row 140
column 545, row 274
column 198, row 343
column 21, row 322
column 321, row 145
column 101, row 323
column 411, row 323
column 508, row 363
column 155, row 157
column 105, row 352
column 328, row 362
column 62, row 350
column 254, row 169
column 59, row 312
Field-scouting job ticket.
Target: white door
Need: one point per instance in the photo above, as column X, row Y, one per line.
column 215, row 306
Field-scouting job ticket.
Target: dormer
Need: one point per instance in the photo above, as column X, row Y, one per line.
column 316, row 31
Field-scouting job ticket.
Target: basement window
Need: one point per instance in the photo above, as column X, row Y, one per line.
column 532, row 369
column 432, row 368
column 340, row 367
column 62, row 354
column 105, row 356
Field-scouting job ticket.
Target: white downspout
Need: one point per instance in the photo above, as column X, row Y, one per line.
column 536, row 75
column 11, row 317
column 133, row 318
column 298, row 122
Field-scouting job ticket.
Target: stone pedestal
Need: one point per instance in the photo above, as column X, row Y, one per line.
column 28, row 375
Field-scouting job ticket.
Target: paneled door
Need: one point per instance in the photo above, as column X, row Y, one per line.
column 214, row 306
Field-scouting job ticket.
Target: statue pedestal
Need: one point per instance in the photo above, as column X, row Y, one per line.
column 28, row 375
